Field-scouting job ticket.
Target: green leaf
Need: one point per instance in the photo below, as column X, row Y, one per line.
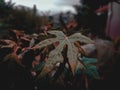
column 56, row 56
column 59, row 34
column 72, row 55
column 45, row 43
column 91, row 70
column 81, row 38
column 89, row 60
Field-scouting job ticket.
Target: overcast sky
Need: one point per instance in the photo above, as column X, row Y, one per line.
column 49, row 5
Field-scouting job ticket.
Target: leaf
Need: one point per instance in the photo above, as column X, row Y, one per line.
column 18, row 32
column 79, row 67
column 72, row 55
column 56, row 56
column 81, row 38
column 9, row 43
column 45, row 43
column 90, row 69
column 32, row 42
column 89, row 60
column 59, row 34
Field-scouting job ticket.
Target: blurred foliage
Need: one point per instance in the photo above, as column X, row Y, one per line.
column 19, row 17
column 87, row 18
column 94, row 4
